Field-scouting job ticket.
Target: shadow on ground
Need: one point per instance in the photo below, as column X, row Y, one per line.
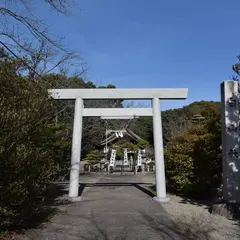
column 121, row 184
column 181, row 229
column 55, row 196
column 48, row 205
column 163, row 230
column 185, row 200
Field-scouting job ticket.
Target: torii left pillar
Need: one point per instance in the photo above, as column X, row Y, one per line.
column 76, row 150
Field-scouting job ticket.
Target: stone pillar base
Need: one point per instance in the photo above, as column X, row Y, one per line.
column 228, row 210
column 161, row 200
column 75, row 199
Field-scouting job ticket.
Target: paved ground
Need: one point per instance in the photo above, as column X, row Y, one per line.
column 113, row 208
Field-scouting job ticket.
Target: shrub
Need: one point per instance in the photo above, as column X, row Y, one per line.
column 33, row 150
column 193, row 161
column 93, row 157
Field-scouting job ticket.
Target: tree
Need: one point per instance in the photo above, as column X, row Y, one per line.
column 197, row 118
column 142, row 144
column 193, row 159
column 236, row 69
column 119, row 153
column 93, row 127
column 93, row 157
column 42, row 52
column 33, row 150
column 143, row 127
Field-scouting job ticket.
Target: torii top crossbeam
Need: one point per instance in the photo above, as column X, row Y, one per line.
column 120, row 93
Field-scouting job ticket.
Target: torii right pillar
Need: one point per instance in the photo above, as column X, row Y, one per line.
column 158, row 151
column 230, row 141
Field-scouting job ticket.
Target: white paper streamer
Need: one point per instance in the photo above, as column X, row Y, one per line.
column 139, row 162
column 125, row 159
column 113, row 158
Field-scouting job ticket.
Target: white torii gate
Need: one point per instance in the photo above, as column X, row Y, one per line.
column 154, row 94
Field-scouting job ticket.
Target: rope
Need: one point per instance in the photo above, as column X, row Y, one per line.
column 129, row 121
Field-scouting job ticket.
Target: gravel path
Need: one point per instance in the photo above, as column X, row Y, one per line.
column 195, row 221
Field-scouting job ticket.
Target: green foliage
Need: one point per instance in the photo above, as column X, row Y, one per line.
column 119, row 153
column 93, row 128
column 236, row 69
column 173, row 121
column 177, row 121
column 33, row 150
column 130, row 146
column 193, row 160
column 143, row 127
column 111, row 86
column 142, row 144
column 108, row 86
column 93, row 157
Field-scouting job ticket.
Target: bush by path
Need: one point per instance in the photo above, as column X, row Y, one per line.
column 33, row 150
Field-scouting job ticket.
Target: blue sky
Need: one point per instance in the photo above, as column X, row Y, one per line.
column 153, row 43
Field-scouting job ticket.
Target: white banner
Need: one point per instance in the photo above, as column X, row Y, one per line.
column 113, row 157
column 125, row 159
column 139, row 162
